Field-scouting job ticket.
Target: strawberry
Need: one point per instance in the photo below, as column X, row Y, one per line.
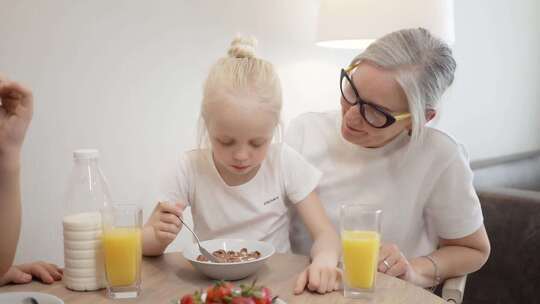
column 226, row 293
column 217, row 293
column 187, row 299
column 262, row 296
column 242, row 300
column 191, row 298
column 259, row 294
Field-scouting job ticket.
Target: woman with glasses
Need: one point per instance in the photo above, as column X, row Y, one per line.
column 378, row 150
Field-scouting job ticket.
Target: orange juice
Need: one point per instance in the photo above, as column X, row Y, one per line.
column 360, row 255
column 122, row 252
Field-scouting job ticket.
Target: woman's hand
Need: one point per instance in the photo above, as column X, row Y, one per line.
column 393, row 263
column 22, row 274
column 320, row 276
column 15, row 114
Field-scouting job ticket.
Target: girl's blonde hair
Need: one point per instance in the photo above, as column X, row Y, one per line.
column 241, row 72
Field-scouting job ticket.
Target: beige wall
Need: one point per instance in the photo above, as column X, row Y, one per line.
column 125, row 77
column 494, row 105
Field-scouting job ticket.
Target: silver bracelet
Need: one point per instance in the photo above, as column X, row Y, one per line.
column 436, row 276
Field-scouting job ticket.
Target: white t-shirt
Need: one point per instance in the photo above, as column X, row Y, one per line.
column 425, row 191
column 256, row 210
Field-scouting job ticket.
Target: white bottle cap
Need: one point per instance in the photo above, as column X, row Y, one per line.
column 85, row 154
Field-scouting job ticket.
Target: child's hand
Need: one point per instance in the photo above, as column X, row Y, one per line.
column 165, row 221
column 15, row 115
column 22, row 274
column 321, row 276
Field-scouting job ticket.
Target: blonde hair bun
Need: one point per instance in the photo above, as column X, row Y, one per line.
column 242, row 47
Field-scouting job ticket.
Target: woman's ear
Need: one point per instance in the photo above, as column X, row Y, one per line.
column 409, row 127
column 430, row 114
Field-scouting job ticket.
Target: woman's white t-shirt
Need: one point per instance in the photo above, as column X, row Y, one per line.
column 425, row 190
column 256, row 210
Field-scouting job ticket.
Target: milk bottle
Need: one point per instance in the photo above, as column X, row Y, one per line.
column 87, row 193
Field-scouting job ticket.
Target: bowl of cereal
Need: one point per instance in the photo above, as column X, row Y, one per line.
column 238, row 258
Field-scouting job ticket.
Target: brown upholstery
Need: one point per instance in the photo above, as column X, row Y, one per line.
column 509, row 191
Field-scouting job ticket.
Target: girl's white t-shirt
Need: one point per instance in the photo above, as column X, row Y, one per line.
column 424, row 190
column 256, row 210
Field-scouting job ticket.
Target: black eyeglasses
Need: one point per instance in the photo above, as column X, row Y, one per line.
column 373, row 114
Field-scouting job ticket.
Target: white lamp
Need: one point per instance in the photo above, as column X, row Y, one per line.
column 356, row 23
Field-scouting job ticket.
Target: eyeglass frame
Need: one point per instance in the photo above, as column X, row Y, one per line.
column 391, row 117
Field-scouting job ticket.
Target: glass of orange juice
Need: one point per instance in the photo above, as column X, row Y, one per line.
column 360, row 227
column 122, row 250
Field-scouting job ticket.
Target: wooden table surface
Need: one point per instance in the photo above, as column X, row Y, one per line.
column 171, row 276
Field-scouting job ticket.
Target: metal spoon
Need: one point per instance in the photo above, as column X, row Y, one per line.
column 30, row 300
column 203, row 251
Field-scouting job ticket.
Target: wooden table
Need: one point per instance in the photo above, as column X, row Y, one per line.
column 171, row 276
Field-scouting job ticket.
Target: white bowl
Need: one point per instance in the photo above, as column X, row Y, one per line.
column 22, row 297
column 229, row 271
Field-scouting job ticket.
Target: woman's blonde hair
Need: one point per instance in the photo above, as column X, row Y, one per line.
column 424, row 68
column 239, row 73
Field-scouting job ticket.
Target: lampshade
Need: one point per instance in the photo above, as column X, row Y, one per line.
column 357, row 23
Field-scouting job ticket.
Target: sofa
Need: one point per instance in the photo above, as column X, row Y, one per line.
column 509, row 192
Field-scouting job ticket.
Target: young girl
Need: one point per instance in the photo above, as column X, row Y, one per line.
column 16, row 108
column 243, row 185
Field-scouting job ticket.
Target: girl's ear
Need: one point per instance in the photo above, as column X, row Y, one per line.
column 430, row 114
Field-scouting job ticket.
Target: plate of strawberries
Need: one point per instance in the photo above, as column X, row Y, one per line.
column 223, row 292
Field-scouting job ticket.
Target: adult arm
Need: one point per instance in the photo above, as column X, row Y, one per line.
column 455, row 257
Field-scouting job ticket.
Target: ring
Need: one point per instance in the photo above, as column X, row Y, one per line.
column 385, row 262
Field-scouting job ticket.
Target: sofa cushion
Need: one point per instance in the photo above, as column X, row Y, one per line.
column 512, row 273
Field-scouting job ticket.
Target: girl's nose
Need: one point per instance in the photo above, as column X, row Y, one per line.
column 241, row 154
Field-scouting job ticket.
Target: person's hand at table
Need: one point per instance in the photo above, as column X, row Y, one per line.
column 393, row 263
column 320, row 276
column 162, row 227
column 24, row 273
column 164, row 220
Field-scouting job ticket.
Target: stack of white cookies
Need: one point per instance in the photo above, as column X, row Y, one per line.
column 83, row 255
